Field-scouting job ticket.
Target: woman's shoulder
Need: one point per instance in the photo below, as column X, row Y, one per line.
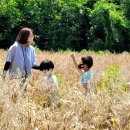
column 14, row 45
column 31, row 47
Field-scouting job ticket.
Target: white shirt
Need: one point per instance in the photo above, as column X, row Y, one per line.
column 50, row 79
column 53, row 80
column 22, row 58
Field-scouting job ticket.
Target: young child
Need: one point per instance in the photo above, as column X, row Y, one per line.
column 86, row 73
column 47, row 67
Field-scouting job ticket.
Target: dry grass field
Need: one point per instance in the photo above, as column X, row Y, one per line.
column 107, row 109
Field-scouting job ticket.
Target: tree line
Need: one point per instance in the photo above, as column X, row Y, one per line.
column 68, row 24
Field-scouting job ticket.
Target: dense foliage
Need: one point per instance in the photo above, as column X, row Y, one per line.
column 68, row 24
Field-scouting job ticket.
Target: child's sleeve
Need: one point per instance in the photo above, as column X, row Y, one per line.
column 55, row 80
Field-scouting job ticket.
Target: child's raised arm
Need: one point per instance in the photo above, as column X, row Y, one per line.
column 75, row 63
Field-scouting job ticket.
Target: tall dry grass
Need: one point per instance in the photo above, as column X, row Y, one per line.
column 34, row 110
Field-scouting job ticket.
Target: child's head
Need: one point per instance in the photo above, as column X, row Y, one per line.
column 46, row 65
column 86, row 63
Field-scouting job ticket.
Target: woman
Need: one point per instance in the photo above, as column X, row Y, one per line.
column 21, row 55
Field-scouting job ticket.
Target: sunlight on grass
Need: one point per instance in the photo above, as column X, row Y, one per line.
column 35, row 110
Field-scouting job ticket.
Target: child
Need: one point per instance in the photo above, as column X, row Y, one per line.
column 86, row 74
column 47, row 67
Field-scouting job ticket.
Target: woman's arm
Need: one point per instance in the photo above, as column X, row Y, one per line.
column 36, row 67
column 33, row 57
column 6, row 67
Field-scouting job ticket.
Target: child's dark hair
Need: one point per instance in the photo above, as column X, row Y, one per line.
column 88, row 60
column 46, row 65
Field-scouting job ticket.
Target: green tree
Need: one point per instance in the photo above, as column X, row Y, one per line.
column 9, row 18
column 109, row 25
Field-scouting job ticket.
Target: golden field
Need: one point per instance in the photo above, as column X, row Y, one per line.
column 107, row 109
